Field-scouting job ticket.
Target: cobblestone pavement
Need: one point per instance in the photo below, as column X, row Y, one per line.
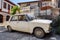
column 5, row 35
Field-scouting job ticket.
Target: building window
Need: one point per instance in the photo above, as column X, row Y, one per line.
column 7, row 18
column 28, row 4
column 33, row 6
column 11, row 6
column 39, row 4
column 8, row 7
column 49, row 12
column 46, row 12
column 46, row 0
column 1, row 18
column 5, row 5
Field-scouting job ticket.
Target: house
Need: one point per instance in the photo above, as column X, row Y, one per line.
column 31, row 7
column 49, row 9
column 46, row 9
column 5, row 7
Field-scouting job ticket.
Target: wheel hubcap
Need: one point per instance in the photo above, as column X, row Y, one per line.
column 38, row 32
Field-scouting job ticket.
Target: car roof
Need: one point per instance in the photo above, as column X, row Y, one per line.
column 18, row 14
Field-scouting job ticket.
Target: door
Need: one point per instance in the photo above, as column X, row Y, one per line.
column 13, row 22
column 1, row 18
column 23, row 23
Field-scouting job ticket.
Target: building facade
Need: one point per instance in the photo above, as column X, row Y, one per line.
column 5, row 7
column 46, row 9
column 31, row 8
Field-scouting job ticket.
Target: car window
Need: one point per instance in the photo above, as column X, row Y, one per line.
column 30, row 18
column 14, row 18
column 22, row 18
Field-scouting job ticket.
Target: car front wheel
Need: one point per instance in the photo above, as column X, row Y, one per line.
column 39, row 33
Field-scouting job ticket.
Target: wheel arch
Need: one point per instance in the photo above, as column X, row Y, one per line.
column 8, row 26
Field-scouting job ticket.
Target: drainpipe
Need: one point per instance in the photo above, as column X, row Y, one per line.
column 59, row 6
column 46, row 13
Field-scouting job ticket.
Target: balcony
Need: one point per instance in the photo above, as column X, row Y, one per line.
column 46, row 0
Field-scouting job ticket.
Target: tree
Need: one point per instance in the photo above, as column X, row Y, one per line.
column 56, row 24
column 14, row 9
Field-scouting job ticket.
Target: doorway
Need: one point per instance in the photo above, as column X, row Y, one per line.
column 1, row 18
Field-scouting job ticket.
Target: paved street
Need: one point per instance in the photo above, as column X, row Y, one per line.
column 5, row 35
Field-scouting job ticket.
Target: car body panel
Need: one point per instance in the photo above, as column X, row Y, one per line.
column 28, row 26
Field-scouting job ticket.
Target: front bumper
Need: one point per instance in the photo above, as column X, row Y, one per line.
column 49, row 30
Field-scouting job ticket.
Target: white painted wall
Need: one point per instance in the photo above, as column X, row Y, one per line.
column 0, row 4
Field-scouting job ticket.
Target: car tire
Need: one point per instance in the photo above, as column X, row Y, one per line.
column 39, row 33
column 9, row 28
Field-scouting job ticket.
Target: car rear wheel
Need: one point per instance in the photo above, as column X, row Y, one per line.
column 39, row 33
column 9, row 28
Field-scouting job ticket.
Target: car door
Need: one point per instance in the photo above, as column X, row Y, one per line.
column 13, row 22
column 23, row 24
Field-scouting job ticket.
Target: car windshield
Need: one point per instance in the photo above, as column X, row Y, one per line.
column 30, row 17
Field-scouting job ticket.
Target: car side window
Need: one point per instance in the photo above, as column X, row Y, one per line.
column 14, row 18
column 22, row 18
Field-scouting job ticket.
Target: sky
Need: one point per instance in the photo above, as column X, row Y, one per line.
column 18, row 1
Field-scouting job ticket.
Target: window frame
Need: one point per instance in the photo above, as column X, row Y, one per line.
column 12, row 18
column 8, row 7
column 22, row 20
column 5, row 5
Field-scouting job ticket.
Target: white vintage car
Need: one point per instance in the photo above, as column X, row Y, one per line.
column 26, row 23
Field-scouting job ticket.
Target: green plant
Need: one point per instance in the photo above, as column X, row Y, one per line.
column 58, row 30
column 14, row 9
